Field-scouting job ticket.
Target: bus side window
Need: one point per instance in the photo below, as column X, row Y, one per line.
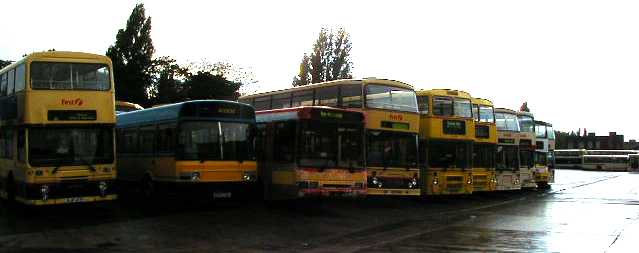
column 20, row 77
column 281, row 101
column 326, row 96
column 11, row 81
column 166, row 138
column 284, row 143
column 262, row 103
column 147, row 139
column 302, row 98
column 130, row 143
column 351, row 96
column 21, row 145
column 3, row 84
column 476, row 112
column 422, row 103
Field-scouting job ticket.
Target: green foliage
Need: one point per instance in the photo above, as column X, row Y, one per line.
column 329, row 60
column 561, row 139
column 168, row 81
column 208, row 85
column 4, row 63
column 132, row 58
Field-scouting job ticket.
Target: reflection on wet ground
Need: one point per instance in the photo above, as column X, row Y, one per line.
column 584, row 212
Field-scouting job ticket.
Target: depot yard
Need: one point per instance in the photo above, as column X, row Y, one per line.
column 560, row 219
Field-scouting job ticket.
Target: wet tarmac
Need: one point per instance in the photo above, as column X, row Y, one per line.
column 585, row 211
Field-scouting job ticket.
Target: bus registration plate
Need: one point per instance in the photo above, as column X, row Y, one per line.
column 221, row 195
column 74, row 200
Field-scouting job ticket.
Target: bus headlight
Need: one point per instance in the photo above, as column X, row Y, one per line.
column 195, row 176
column 102, row 186
column 44, row 190
column 412, row 183
column 516, row 181
column 249, row 176
column 376, row 181
column 435, row 181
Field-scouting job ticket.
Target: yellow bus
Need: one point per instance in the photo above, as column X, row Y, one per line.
column 527, row 143
column 447, row 132
column 541, row 173
column 507, row 169
column 201, row 145
column 484, row 146
column 311, row 151
column 123, row 106
column 57, row 129
column 392, row 124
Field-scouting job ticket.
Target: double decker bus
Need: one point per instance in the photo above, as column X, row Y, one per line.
column 57, row 123
column 203, row 145
column 392, row 124
column 541, row 172
column 311, row 151
column 447, row 132
column 569, row 158
column 507, row 169
column 527, row 143
column 484, row 146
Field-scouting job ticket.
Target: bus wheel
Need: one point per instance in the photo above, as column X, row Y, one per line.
column 148, row 188
column 10, row 188
column 543, row 185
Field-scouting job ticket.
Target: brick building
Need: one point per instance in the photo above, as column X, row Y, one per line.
column 592, row 141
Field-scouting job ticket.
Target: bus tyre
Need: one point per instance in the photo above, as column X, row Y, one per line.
column 543, row 185
column 11, row 191
column 148, row 188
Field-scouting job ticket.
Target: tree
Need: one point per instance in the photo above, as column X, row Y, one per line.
column 329, row 60
column 132, row 58
column 303, row 78
column 168, row 81
column 209, row 85
column 4, row 63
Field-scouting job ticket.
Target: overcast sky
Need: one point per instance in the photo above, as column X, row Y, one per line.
column 575, row 62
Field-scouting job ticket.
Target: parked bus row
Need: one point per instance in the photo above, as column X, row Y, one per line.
column 605, row 160
column 58, row 136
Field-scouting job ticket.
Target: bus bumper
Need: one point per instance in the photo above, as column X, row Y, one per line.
column 66, row 192
column 508, row 181
column 393, row 191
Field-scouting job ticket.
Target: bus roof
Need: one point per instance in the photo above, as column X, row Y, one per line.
column 49, row 55
column 481, row 101
column 444, row 92
column 520, row 113
column 297, row 112
column 542, row 123
column 389, row 82
column 188, row 109
column 622, row 156
column 504, row 110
